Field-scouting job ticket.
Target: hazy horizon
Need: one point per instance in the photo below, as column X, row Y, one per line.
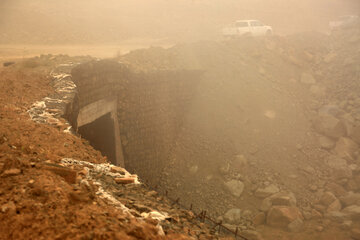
column 108, row 22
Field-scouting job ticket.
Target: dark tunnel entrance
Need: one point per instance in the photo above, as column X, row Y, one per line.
column 101, row 135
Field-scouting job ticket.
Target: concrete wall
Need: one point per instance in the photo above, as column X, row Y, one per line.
column 97, row 92
column 150, row 110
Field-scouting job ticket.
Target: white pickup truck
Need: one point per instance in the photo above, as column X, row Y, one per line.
column 247, row 27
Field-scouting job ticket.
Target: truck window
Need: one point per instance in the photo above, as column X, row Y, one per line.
column 255, row 24
column 241, row 24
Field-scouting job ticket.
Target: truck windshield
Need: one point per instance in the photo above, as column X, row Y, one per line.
column 241, row 24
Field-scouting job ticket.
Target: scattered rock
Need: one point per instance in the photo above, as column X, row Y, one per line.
column 355, row 135
column 307, row 78
column 142, row 208
column 296, row 225
column 69, row 175
column 281, row 216
column 193, row 169
column 346, row 148
column 319, row 228
column 339, row 167
column 337, row 216
column 230, row 226
column 346, row 225
column 6, row 64
column 326, row 142
column 353, row 211
column 233, row 216
column 318, row 90
column 350, row 199
column 329, row 126
column 280, row 199
column 284, row 199
column 267, row 191
column 270, row 114
column 327, row 198
column 124, row 180
column 266, row 204
column 225, row 169
column 259, row 219
column 235, row 187
column 251, row 235
column 307, row 215
column 315, row 214
column 9, row 207
column 336, row 162
column 355, row 233
column 11, row 172
column 240, row 162
column 117, row 169
column 330, row 57
column 332, row 110
column 334, row 206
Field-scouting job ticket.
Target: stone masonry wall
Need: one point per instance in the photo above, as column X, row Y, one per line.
column 151, row 112
column 151, row 109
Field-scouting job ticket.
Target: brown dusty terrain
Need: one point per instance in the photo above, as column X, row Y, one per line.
column 40, row 199
column 270, row 145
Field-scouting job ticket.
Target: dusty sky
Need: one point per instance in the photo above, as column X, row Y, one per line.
column 109, row 21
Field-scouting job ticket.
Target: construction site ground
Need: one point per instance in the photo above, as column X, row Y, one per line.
column 263, row 124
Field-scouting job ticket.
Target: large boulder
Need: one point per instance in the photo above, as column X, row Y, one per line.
column 346, row 148
column 329, row 126
column 233, row 216
column 235, row 187
column 282, row 216
column 278, row 199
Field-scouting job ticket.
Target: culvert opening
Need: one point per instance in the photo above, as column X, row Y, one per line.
column 148, row 109
column 101, row 135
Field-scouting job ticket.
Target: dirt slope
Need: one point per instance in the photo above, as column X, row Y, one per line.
column 45, row 194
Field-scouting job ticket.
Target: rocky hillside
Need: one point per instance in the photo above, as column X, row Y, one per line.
column 271, row 141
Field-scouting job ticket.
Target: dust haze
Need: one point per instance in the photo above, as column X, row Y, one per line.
column 180, row 119
column 111, row 21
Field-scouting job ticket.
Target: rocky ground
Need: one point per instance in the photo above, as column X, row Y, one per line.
column 271, row 142
column 270, row 146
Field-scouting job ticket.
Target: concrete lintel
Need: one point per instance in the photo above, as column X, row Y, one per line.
column 94, row 110
column 97, row 109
